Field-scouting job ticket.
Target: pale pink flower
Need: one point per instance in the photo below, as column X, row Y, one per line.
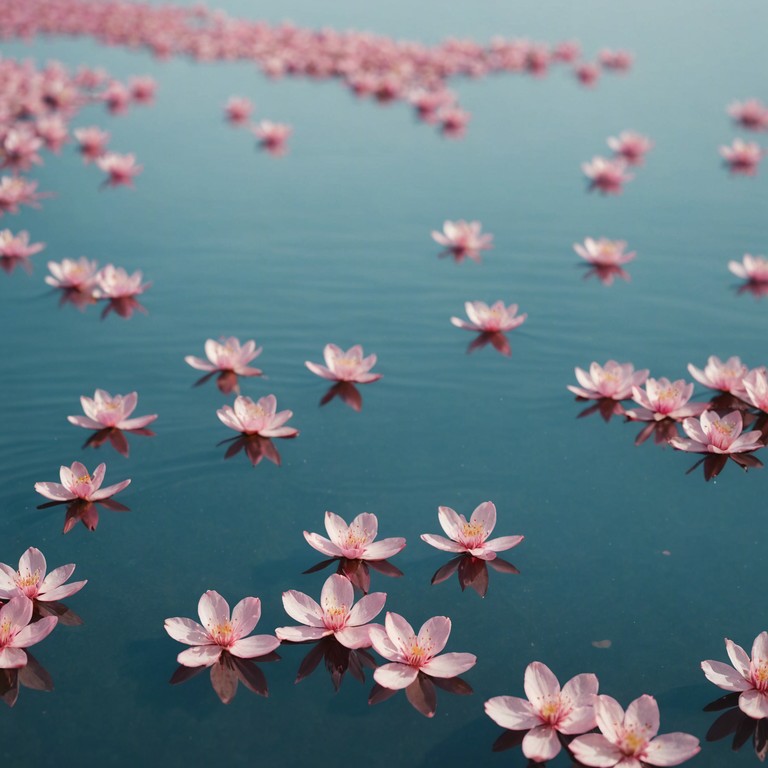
column 143, row 89
column 115, row 283
column 586, row 73
column 17, row 633
column 627, row 740
column 616, row 60
column 104, row 411
column 345, row 366
column 272, row 135
column 463, row 238
column 613, row 380
column 52, row 129
column 238, row 109
column 117, row 97
column 742, row 156
column 92, row 141
column 121, row 168
column 79, row 275
column 18, row 246
column 32, row 582
column 567, row 51
column 749, row 676
column 76, row 483
column 259, row 418
column 493, row 319
column 218, row 632
column 547, row 711
column 751, row 114
column 335, row 615
column 453, row 120
column 409, row 653
column 471, row 535
column 429, row 103
column 664, row 399
column 756, row 389
column 607, row 174
column 227, row 355
column 604, row 252
column 630, row 146
column 752, row 268
column 20, row 148
column 726, row 376
column 16, row 191
column 354, row 541
column 712, row 434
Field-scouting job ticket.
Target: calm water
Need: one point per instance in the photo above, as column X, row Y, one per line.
column 331, row 243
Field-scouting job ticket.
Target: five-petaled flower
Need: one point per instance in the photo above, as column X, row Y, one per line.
column 354, row 541
column 494, row 319
column 259, row 418
column 103, row 411
column 227, row 355
column 76, row 483
column 345, row 366
column 613, row 380
column 16, row 632
column 31, row 580
column 715, row 434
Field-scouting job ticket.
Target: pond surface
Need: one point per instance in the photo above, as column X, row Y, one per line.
column 331, row 243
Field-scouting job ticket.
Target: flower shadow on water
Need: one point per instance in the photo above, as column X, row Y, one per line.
column 226, row 381
column 473, row 572
column 33, row 675
column 85, row 512
column 347, row 392
column 124, row 306
column 734, row 721
column 607, row 408
column 9, row 263
column 116, row 438
column 66, row 616
column 338, row 661
column 74, row 296
column 514, row 739
column 422, row 693
column 757, row 289
column 255, row 447
column 661, row 430
column 606, row 274
column 714, row 463
column 497, row 340
column 358, row 571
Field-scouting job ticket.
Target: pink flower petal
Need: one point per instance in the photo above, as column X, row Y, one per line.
column 381, row 550
column 213, row 609
column 724, row 676
column 595, row 750
column 302, row 634
column 503, row 543
column 382, row 644
column 540, row 684
column 400, row 632
column 754, row 703
column 34, row 633
column 449, row 664
column 354, row 637
column 17, row 611
column 187, row 631
column 253, row 646
column 395, row 676
column 62, row 592
column 321, row 544
column 54, row 491
column 643, row 716
column 199, row 364
column 302, row 608
column 541, row 744
column 12, row 658
column 485, row 515
column 245, row 616
column 336, row 528
column 434, row 634
column 512, row 712
column 110, row 490
column 85, row 422
column 200, row 656
column 366, row 609
column 450, row 522
column 738, row 657
column 440, row 542
column 337, row 592
column 610, row 717
column 671, row 749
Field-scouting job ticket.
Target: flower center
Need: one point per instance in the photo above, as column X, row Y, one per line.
column 86, row 478
column 550, row 710
column 5, row 632
column 256, row 411
column 222, row 633
column 473, row 534
column 632, row 742
column 336, row 617
column 29, row 580
column 760, row 676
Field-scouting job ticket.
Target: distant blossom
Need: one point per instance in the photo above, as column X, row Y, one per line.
column 104, row 411
column 751, row 114
column 726, row 376
column 70, row 274
column 121, row 168
column 228, row 355
column 490, row 319
column 259, row 418
column 630, row 146
column 751, row 268
column 463, row 238
column 92, row 142
column 345, row 366
column 31, row 580
column 115, row 283
column 742, row 156
column 52, row 129
column 354, row 541
column 16, row 191
column 272, row 135
column 616, row 60
column 756, row 389
column 586, row 73
column 16, row 632
column 604, row 252
column 18, row 246
column 238, row 110
column 715, row 434
column 607, row 174
column 613, row 380
column 76, row 483
column 142, row 89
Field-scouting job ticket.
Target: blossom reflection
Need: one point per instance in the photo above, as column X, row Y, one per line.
column 358, row 571
column 347, row 392
column 77, row 298
column 734, row 721
column 32, row 675
column 124, row 306
column 338, row 661
column 607, row 274
column 714, row 463
column 422, row 693
column 255, row 447
column 226, row 381
column 9, row 263
column 472, row 571
column 497, row 340
column 116, row 438
column 85, row 512
column 607, row 407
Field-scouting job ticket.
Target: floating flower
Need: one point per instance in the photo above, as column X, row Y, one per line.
column 354, row 541
column 76, row 483
column 103, row 410
column 53, row 131
column 664, row 399
column 453, row 120
column 228, row 355
column 630, row 146
column 18, row 246
column 409, row 653
column 117, row 97
column 345, row 366
column 272, row 135
column 752, row 268
column 463, row 238
column 471, row 535
column 627, row 740
column 756, row 389
column 334, row 616
column 615, row 60
column 604, row 252
column 16, row 191
column 586, row 73
column 92, row 141
column 748, row 676
column 751, row 114
column 115, row 283
column 79, row 275
column 547, row 711
column 16, row 633
column 490, row 319
column 742, row 156
column 31, row 580
column 19, row 150
column 259, row 418
column 726, row 376
column 218, row 632
column 142, row 89
column 238, row 110
column 613, row 380
column 607, row 174
column 121, row 168
column 713, row 434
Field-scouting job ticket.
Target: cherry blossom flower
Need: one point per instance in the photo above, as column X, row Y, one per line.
column 52, row 129
column 567, row 51
column 354, row 541
column 76, row 483
column 218, row 632
column 629, row 740
column 228, row 355
column 471, row 535
column 490, row 319
column 71, row 274
column 742, row 156
column 31, row 581
column 726, row 376
column 16, row 191
column 664, row 399
column 463, row 238
column 16, row 633
column 117, row 97
column 409, row 653
column 121, row 168
column 259, row 418
column 714, row 434
column 142, row 89
column 748, row 676
column 751, row 114
column 18, row 246
column 429, row 103
column 335, row 615
column 607, row 174
column 756, row 389
column 92, row 142
column 547, row 711
column 272, row 135
column 238, row 110
column 19, row 150
column 104, row 411
column 453, row 120
column 615, row 60
column 586, row 73
column 345, row 366
column 752, row 268
column 604, row 252
column 613, row 380
column 630, row 146
column 115, row 283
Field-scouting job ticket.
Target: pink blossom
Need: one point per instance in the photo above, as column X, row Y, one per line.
column 613, row 380
column 607, row 174
column 76, row 483
column 218, row 632
column 409, row 653
column 31, row 580
column 259, row 418
column 117, row 97
column 238, row 110
column 712, row 434
column 742, row 156
column 104, row 411
column 749, row 676
column 567, row 51
column 345, row 366
column 756, row 389
column 471, row 535
column 18, row 246
column 20, row 148
column 547, row 711
column 354, row 541
column 92, row 141
column 17, row 633
column 143, row 89
column 604, row 252
column 463, row 238
column 79, row 275
column 272, row 135
column 751, row 114
column 726, row 376
column 335, row 615
column 490, row 319
column 52, row 129
column 616, row 60
column 228, row 355
column 586, row 73
column 630, row 146
column 627, row 740
column 16, row 191
column 429, row 103
column 752, row 268
column 121, row 168
column 115, row 283
column 453, row 120
column 664, row 399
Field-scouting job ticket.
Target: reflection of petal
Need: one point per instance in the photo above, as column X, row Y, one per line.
column 421, row 694
column 606, row 274
column 125, row 306
column 497, row 340
column 227, row 383
column 224, row 679
column 256, row 448
column 607, row 408
column 347, row 392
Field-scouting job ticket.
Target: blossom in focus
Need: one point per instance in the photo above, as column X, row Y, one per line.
column 664, row 399
column 630, row 146
column 613, row 380
column 345, row 366
column 272, row 135
column 742, row 156
column 16, row 633
column 227, row 355
column 748, row 676
column 607, row 174
column 115, row 283
column 490, row 319
column 79, row 275
column 409, row 653
column 726, row 376
column 238, row 110
column 121, row 168
column 18, row 246
column 335, row 615
column 463, row 238
column 756, row 389
column 354, row 541
column 92, row 141
column 547, row 711
column 629, row 740
column 31, row 580
column 752, row 268
column 751, row 114
column 259, row 418
column 104, row 411
column 76, row 483
column 219, row 632
column 714, row 434
column 604, row 252
column 471, row 535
